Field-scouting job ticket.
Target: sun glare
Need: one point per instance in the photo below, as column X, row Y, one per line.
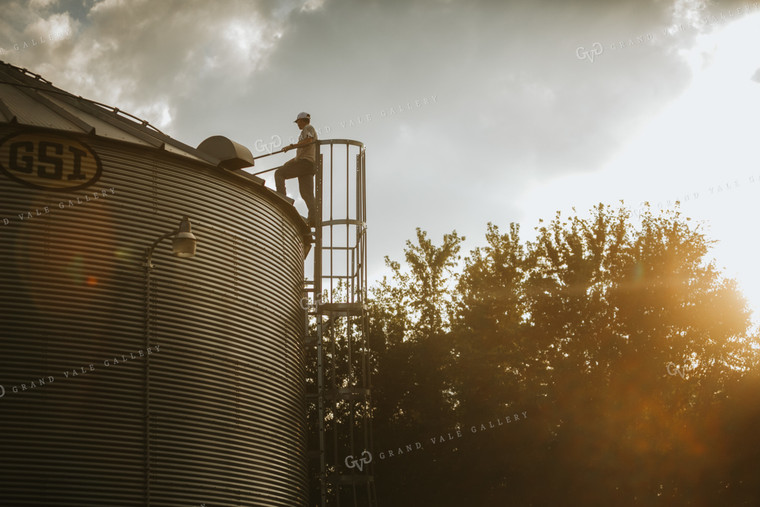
column 700, row 149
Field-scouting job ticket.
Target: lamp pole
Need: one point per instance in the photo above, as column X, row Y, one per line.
column 182, row 246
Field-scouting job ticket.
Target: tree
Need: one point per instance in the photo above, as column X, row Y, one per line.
column 622, row 342
column 409, row 338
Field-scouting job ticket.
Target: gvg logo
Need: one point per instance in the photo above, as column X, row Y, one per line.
column 49, row 162
column 351, row 462
column 306, row 305
column 583, row 54
column 676, row 370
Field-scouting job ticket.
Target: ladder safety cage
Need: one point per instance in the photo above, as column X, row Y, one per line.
column 338, row 349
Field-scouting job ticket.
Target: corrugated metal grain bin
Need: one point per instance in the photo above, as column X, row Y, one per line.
column 188, row 391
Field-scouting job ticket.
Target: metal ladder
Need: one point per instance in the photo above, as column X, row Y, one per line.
column 336, row 331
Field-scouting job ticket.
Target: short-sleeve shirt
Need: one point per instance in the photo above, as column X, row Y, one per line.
column 307, row 152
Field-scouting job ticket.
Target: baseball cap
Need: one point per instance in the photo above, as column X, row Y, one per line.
column 303, row 116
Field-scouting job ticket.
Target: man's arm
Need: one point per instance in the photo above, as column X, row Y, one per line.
column 299, row 144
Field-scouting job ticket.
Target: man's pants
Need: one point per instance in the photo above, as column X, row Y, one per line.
column 304, row 171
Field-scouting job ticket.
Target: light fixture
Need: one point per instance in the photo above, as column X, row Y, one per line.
column 183, row 244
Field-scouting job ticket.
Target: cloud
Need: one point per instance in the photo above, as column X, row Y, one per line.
column 150, row 57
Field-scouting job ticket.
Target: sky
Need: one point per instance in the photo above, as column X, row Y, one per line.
column 471, row 111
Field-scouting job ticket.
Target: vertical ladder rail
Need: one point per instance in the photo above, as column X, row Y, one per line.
column 320, row 344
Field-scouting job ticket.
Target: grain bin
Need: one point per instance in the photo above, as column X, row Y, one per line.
column 176, row 381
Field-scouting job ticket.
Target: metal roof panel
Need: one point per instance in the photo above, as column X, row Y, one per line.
column 35, row 102
column 102, row 128
column 31, row 112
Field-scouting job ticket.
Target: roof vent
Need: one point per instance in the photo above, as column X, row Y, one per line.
column 231, row 155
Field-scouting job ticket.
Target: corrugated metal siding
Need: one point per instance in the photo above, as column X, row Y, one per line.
column 227, row 422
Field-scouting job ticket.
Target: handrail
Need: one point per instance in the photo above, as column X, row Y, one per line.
column 319, row 142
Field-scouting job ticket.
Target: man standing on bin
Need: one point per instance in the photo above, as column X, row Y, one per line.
column 303, row 166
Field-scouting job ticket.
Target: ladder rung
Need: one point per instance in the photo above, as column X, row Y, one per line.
column 351, row 479
column 352, row 393
column 348, row 308
column 345, row 393
column 342, row 221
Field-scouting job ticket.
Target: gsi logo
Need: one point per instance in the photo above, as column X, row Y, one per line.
column 49, row 162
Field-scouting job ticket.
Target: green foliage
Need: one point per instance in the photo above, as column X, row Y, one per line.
column 577, row 328
column 409, row 324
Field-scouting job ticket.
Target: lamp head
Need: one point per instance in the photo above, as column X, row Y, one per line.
column 183, row 244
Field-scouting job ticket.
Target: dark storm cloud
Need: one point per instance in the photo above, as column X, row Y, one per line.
column 507, row 75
